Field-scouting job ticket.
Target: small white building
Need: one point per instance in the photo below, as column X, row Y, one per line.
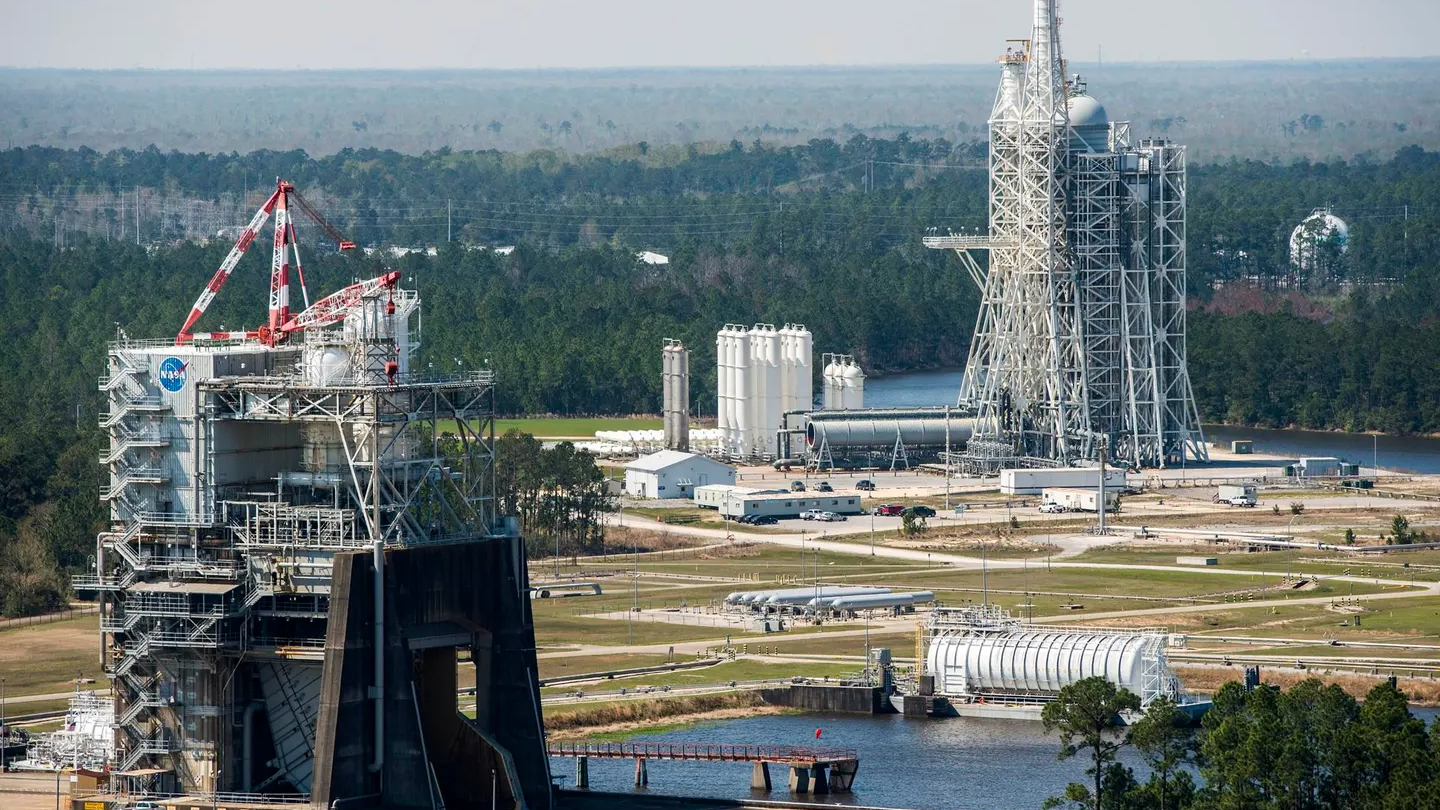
column 735, row 502
column 1034, row 481
column 673, row 474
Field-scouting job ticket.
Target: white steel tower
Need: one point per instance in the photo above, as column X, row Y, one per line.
column 1079, row 345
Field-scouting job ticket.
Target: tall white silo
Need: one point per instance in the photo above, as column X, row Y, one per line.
column 787, row 368
column 765, row 394
column 744, row 392
column 723, row 422
column 804, row 362
column 675, row 365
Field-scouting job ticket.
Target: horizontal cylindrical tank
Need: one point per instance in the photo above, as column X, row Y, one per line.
column 1034, row 661
column 801, row 596
column 915, row 431
column 791, row 594
column 882, row 600
column 826, row 601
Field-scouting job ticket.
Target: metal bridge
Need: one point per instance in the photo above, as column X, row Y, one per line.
column 812, row 769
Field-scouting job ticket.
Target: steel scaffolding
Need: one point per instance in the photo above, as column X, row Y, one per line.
column 1079, row 345
column 237, row 471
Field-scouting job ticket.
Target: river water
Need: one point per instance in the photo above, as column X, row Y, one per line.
column 957, row 763
column 1399, row 453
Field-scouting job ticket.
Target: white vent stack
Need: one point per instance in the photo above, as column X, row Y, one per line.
column 675, row 372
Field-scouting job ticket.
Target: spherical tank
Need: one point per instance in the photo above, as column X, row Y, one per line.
column 1320, row 234
column 1023, row 661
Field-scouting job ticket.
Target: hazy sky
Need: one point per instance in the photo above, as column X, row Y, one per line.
column 321, row 34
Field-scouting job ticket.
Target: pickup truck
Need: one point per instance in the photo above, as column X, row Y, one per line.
column 889, row 510
column 811, row 514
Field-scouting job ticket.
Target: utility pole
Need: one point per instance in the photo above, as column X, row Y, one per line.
column 137, row 215
column 447, row 219
column 1104, row 445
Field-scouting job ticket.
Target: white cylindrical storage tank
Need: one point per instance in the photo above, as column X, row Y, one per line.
column 829, row 390
column 787, row 368
column 722, row 380
column 825, row 600
column 881, row 600
column 804, row 364
column 1031, row 661
column 743, row 392
column 853, row 387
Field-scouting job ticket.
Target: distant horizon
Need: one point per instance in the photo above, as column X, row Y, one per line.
column 584, row 35
column 1073, row 63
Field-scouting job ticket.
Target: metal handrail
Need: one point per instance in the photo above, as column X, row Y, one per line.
column 717, row 752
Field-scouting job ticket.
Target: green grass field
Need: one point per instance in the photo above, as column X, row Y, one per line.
column 580, row 428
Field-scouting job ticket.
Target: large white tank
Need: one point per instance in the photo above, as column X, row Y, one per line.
column 787, row 368
column 743, row 391
column 722, row 381
column 325, row 365
column 765, row 394
column 804, row 362
column 852, row 387
column 1034, row 661
column 831, row 398
column 1319, row 241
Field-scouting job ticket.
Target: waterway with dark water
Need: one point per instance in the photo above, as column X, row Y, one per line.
column 1409, row 454
column 962, row 763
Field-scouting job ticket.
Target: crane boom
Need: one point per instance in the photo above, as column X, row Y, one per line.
column 330, row 230
column 286, row 246
column 227, row 267
column 334, row 307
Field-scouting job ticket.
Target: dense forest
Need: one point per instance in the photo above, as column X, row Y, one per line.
column 825, row 233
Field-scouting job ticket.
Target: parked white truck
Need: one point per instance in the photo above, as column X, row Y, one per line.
column 1236, row 494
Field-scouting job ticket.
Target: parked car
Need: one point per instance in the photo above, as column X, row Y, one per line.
column 747, row 519
column 1051, row 508
column 763, row 520
column 919, row 511
column 797, row 486
column 824, row 487
column 829, row 517
column 865, row 485
column 811, row 514
column 889, row 510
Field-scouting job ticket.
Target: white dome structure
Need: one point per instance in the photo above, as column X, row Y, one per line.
column 1085, row 111
column 1318, row 242
column 1089, row 123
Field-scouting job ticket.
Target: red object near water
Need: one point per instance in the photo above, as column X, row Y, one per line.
column 817, row 733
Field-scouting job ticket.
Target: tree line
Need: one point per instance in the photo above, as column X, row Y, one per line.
column 1311, row 747
column 572, row 323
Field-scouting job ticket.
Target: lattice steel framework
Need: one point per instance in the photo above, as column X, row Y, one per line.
column 234, row 481
column 1079, row 343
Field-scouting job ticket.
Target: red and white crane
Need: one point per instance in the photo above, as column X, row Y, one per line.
column 285, row 247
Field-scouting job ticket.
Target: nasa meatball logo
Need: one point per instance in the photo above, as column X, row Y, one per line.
column 172, row 374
